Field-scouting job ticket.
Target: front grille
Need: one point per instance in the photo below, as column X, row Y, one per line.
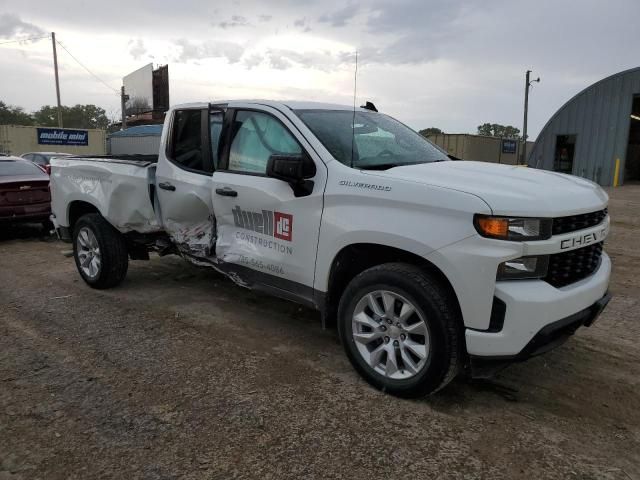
column 577, row 222
column 568, row 267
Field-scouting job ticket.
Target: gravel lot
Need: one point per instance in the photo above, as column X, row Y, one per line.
column 178, row 373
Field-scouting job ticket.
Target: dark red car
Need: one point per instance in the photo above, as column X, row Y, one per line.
column 24, row 192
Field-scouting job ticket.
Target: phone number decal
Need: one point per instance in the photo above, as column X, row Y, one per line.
column 259, row 264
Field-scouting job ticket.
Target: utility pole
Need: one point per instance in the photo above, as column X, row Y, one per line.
column 123, row 104
column 55, row 68
column 527, row 85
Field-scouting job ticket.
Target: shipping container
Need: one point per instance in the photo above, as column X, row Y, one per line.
column 480, row 148
column 19, row 139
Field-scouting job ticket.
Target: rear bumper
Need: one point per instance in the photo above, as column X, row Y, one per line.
column 546, row 339
column 27, row 213
column 63, row 234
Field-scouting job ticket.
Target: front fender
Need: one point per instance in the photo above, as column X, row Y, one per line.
column 417, row 218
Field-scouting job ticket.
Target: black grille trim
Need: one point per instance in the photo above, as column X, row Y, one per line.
column 498, row 312
column 577, row 222
column 569, row 267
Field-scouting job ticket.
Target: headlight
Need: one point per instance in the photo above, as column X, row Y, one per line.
column 513, row 228
column 523, row 267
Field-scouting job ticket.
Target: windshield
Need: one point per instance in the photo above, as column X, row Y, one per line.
column 378, row 141
column 18, row 167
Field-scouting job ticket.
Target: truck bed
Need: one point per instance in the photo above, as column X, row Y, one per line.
column 121, row 187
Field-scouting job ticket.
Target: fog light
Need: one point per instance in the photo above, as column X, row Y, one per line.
column 523, row 268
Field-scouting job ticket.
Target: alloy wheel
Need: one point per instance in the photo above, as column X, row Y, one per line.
column 391, row 334
column 88, row 252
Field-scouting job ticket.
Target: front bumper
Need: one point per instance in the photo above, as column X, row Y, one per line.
column 531, row 305
column 546, row 339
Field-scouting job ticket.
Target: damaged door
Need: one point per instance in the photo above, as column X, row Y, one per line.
column 183, row 180
column 267, row 234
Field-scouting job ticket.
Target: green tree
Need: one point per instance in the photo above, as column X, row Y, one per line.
column 497, row 130
column 430, row 131
column 12, row 115
column 78, row 116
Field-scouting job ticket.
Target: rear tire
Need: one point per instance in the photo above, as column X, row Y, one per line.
column 401, row 330
column 100, row 252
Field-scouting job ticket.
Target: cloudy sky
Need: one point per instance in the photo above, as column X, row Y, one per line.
column 451, row 64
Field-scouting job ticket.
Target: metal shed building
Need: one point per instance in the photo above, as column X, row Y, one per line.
column 143, row 140
column 596, row 134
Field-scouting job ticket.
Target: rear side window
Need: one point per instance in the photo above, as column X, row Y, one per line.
column 186, row 147
column 257, row 136
column 13, row 167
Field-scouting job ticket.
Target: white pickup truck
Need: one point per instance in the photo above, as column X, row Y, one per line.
column 428, row 266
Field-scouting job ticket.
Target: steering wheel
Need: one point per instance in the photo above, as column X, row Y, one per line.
column 384, row 153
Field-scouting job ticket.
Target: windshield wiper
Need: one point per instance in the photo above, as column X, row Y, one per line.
column 378, row 166
column 387, row 166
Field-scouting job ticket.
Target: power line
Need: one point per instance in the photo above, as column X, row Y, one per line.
column 21, row 40
column 87, row 69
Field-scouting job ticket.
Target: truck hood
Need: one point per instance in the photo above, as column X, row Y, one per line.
column 507, row 189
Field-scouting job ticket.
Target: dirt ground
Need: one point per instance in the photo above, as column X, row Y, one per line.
column 178, row 373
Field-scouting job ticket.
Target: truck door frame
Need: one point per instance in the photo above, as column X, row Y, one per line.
column 176, row 222
column 261, row 281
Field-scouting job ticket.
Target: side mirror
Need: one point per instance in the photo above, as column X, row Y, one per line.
column 293, row 169
column 290, row 168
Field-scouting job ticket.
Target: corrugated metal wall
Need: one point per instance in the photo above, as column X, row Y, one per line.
column 140, row 145
column 599, row 116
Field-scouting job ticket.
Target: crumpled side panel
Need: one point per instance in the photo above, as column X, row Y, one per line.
column 196, row 240
column 130, row 208
column 119, row 191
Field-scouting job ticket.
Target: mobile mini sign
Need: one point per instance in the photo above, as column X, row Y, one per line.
column 59, row 136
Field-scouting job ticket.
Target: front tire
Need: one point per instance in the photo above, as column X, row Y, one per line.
column 401, row 330
column 100, row 252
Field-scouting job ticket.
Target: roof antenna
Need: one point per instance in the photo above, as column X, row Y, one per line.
column 353, row 120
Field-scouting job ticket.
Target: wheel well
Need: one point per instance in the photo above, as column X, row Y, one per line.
column 77, row 209
column 357, row 258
